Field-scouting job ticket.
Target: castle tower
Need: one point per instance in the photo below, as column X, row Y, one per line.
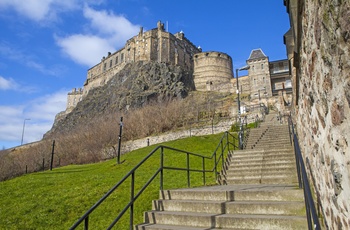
column 213, row 72
column 259, row 75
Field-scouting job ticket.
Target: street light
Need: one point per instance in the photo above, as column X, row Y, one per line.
column 24, row 124
column 239, row 107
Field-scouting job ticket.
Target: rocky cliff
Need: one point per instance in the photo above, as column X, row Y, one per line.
column 138, row 83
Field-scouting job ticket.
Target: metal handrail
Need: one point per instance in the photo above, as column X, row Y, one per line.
column 223, row 145
column 312, row 217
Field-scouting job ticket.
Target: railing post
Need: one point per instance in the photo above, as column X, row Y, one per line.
column 297, row 158
column 132, row 200
column 52, row 152
column 203, row 166
column 86, row 223
column 188, row 170
column 215, row 167
column 227, row 142
column 290, row 134
column 161, row 167
column 120, row 139
column 222, row 154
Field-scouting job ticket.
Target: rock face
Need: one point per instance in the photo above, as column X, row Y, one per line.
column 136, row 84
column 321, row 32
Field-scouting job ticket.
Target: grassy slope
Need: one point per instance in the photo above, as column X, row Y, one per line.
column 56, row 199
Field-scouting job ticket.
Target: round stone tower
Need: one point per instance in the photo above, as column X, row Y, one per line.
column 213, row 72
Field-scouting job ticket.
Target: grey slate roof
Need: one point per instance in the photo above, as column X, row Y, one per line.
column 256, row 54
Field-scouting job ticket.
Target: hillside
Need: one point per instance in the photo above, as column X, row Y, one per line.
column 134, row 86
column 152, row 97
column 56, row 199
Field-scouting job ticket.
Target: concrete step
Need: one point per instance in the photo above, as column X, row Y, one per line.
column 261, row 221
column 258, row 175
column 261, row 171
column 263, row 207
column 191, row 219
column 263, row 157
column 262, row 163
column 228, row 221
column 242, row 192
column 262, row 180
column 205, row 206
column 267, row 146
column 177, row 227
column 262, row 151
column 233, row 207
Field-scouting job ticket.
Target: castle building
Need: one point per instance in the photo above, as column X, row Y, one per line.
column 265, row 78
column 153, row 45
column 212, row 71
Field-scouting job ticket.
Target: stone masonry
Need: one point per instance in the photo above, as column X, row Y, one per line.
column 318, row 46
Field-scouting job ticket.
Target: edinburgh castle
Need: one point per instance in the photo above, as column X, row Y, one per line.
column 211, row 71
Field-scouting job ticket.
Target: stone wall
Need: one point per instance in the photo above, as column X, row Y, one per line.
column 221, row 127
column 243, row 84
column 320, row 54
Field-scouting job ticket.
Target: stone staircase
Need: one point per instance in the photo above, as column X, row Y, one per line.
column 259, row 191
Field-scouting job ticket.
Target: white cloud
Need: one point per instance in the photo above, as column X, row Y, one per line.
column 115, row 27
column 41, row 112
column 7, row 84
column 10, row 84
column 38, row 10
column 84, row 49
column 111, row 33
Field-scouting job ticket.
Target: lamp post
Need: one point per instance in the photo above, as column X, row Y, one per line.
column 24, row 124
column 120, row 139
column 239, row 108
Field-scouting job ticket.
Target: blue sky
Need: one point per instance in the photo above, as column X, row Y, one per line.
column 47, row 46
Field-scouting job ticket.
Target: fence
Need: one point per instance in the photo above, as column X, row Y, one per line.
column 227, row 142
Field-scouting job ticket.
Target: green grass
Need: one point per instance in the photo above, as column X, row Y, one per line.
column 56, row 199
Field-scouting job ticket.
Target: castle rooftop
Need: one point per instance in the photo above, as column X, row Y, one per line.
column 256, row 54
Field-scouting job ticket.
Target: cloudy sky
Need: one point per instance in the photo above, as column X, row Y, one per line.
column 47, row 46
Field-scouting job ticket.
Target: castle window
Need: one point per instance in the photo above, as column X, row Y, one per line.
column 104, row 66
column 253, row 68
column 116, row 60
column 122, row 57
column 254, row 81
column 110, row 63
column 262, row 66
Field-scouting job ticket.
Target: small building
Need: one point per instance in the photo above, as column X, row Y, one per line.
column 267, row 78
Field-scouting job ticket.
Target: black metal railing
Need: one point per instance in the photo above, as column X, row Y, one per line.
column 311, row 213
column 227, row 142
